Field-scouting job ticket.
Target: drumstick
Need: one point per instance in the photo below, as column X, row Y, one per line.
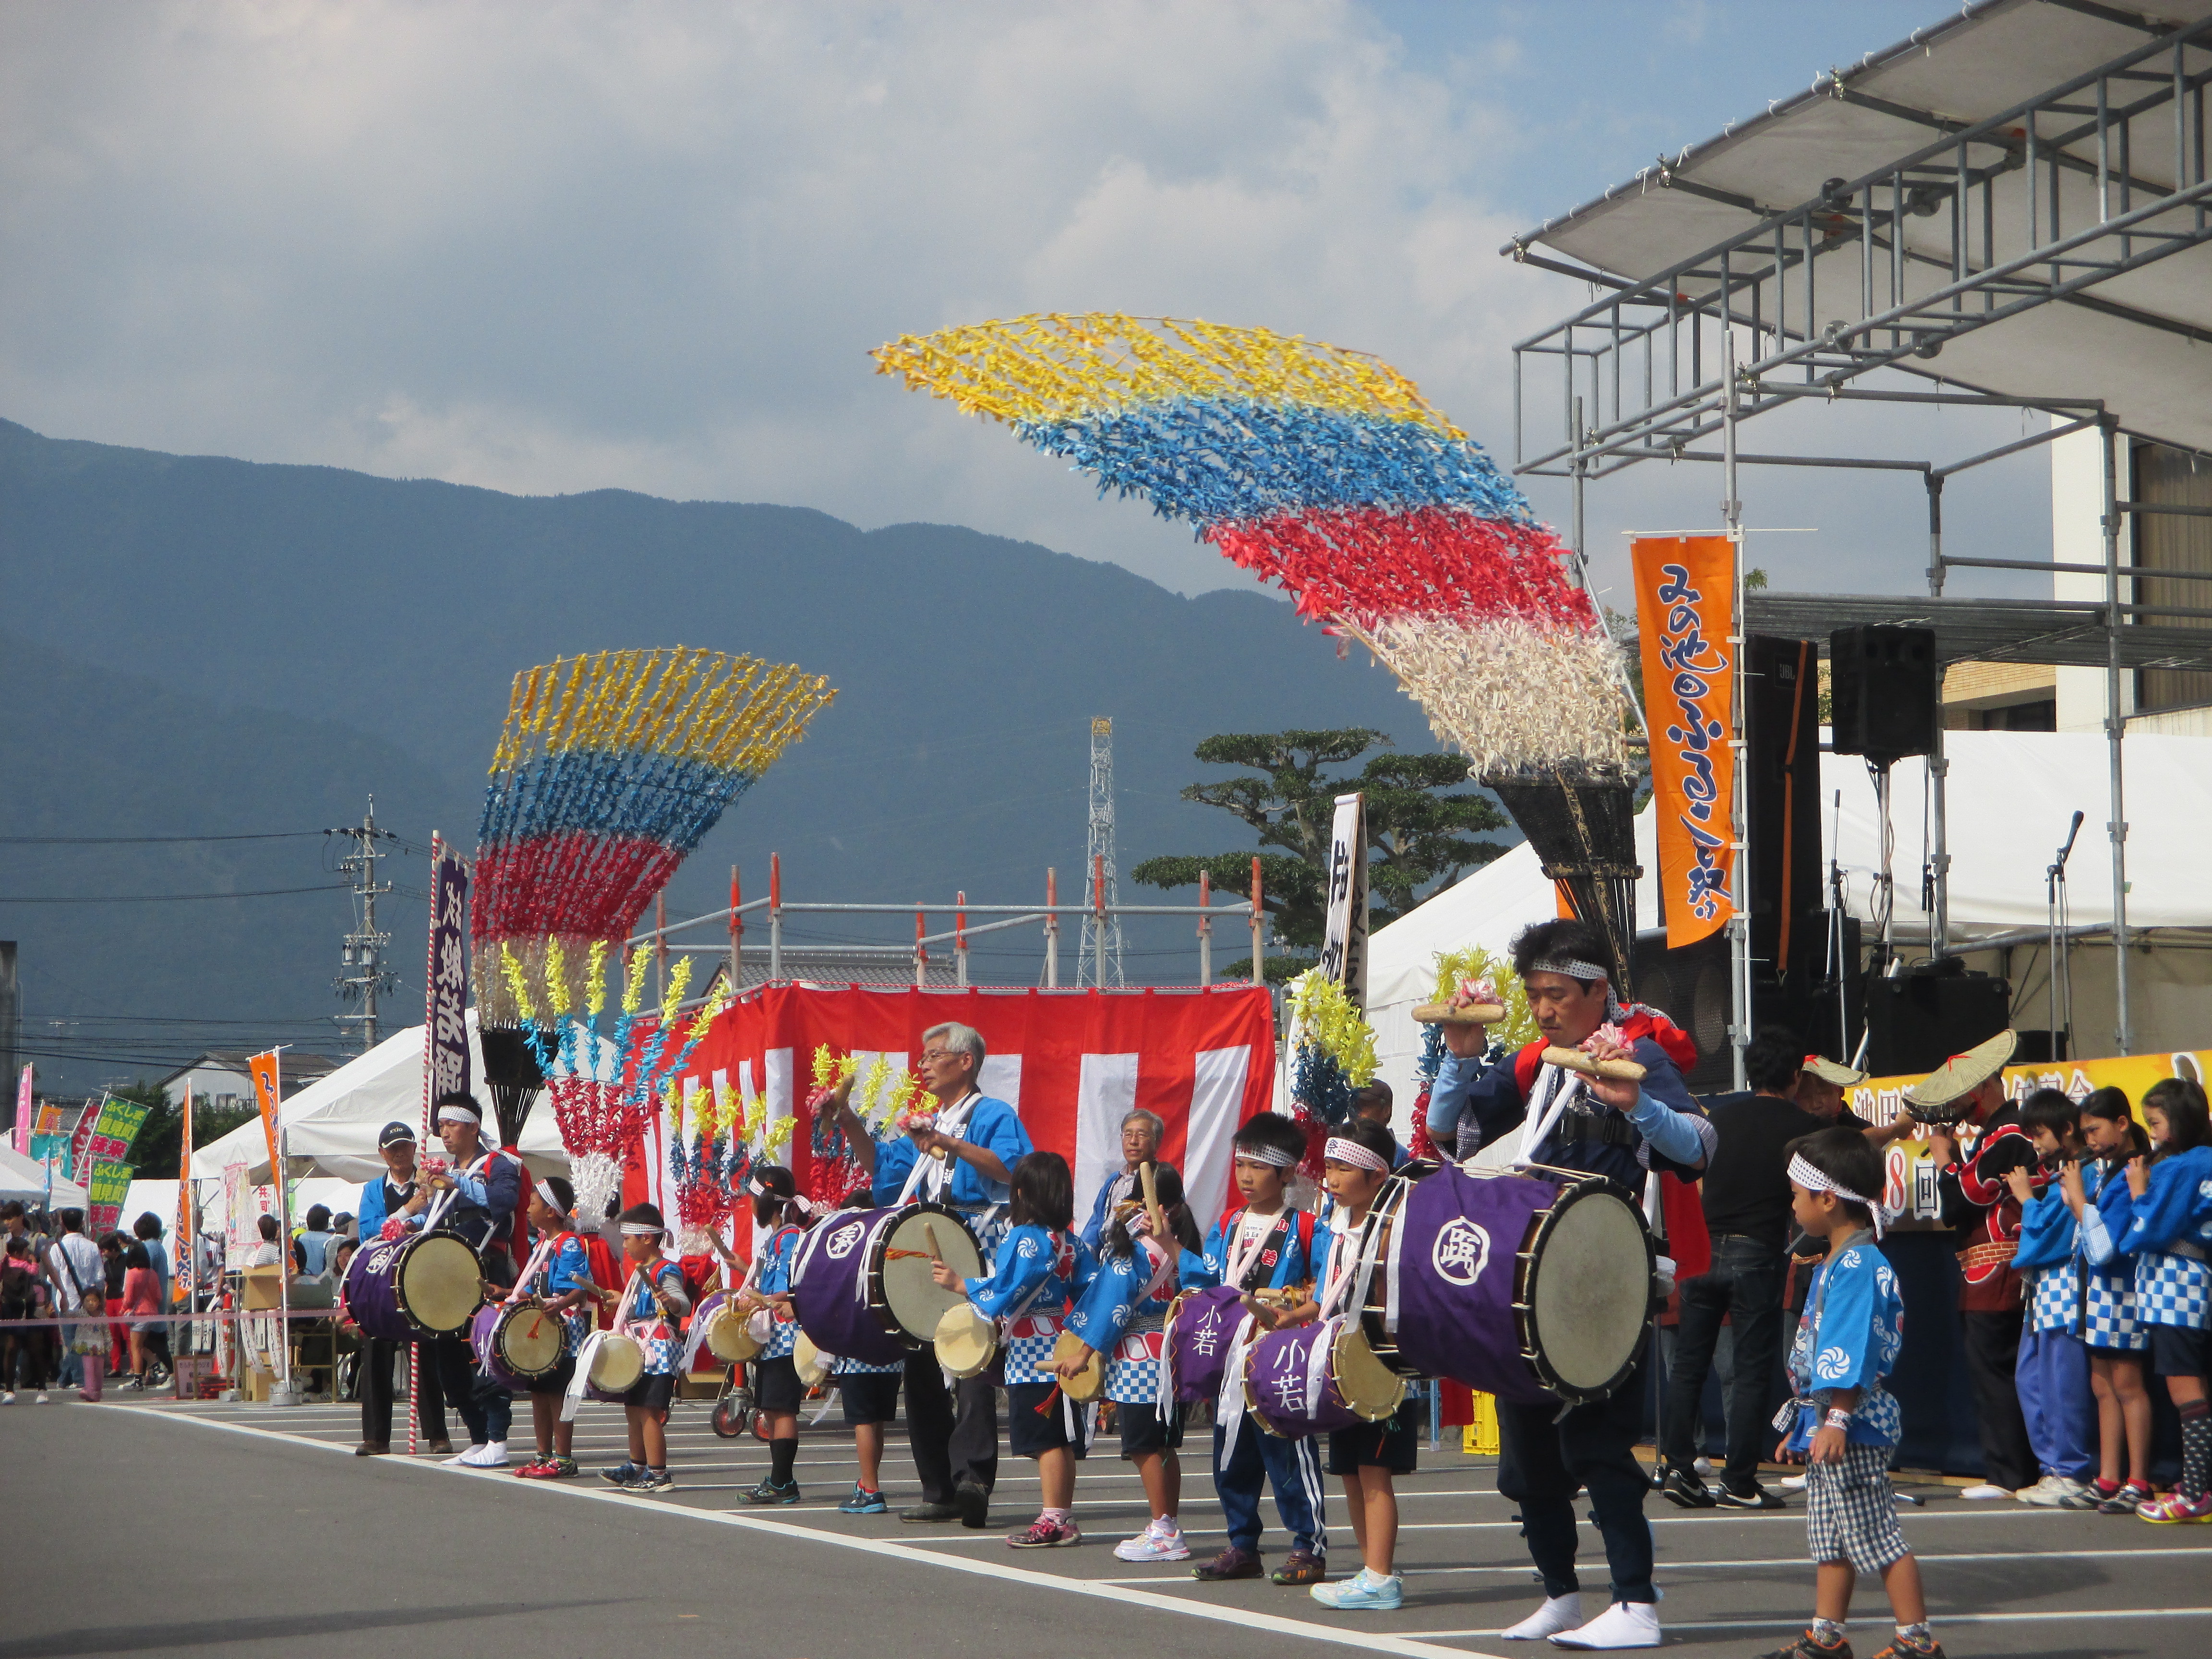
column 929, row 1237
column 1574, row 1060
column 1472, row 1013
column 1152, row 1202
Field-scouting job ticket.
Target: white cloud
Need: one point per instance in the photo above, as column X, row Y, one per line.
column 550, row 248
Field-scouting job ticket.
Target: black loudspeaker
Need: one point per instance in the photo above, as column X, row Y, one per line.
column 1884, row 687
column 1782, row 739
column 1691, row 987
column 1916, row 1021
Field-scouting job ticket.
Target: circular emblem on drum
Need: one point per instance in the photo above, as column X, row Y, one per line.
column 839, row 1244
column 1461, row 1253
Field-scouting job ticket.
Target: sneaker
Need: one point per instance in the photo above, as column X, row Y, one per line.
column 1300, row 1568
column 565, row 1468
column 2077, row 1495
column 1791, row 1483
column 1363, row 1592
column 1684, row 1490
column 1044, row 1534
column 1756, row 1499
column 538, row 1469
column 1809, row 1646
column 1231, row 1562
column 1558, row 1613
column 1901, row 1649
column 927, row 1514
column 1984, row 1493
column 661, row 1480
column 8, row 1397
column 1154, row 1544
column 768, row 1492
column 620, row 1474
column 2044, row 1494
column 863, row 1501
column 2124, row 1501
column 2173, row 1507
column 1623, row 1625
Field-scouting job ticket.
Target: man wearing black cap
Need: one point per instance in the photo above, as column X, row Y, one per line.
column 384, row 1199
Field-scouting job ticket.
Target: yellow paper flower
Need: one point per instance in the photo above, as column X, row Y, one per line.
column 1322, row 1015
column 1519, row 1026
column 634, row 981
column 595, row 972
column 510, row 967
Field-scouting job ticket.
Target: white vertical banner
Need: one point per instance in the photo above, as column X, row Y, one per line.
column 1001, row 1079
column 1106, row 1095
column 1344, row 940
column 1217, row 1094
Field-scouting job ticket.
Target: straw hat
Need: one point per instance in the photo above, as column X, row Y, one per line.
column 1940, row 1097
column 1830, row 1071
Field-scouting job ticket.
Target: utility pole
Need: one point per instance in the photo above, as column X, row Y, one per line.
column 1098, row 961
column 361, row 957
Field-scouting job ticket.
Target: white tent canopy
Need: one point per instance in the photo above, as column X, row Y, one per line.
column 21, row 1178
column 333, row 1122
column 2011, row 797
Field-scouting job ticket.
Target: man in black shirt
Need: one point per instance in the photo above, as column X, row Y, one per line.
column 1747, row 1203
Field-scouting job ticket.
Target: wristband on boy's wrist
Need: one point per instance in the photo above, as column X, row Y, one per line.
column 1838, row 1417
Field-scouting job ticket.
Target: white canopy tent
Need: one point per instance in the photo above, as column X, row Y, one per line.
column 332, row 1123
column 21, row 1178
column 2012, row 796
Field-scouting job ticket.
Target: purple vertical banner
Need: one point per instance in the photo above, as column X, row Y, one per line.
column 449, row 976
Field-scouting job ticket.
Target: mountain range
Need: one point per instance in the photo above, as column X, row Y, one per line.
column 199, row 646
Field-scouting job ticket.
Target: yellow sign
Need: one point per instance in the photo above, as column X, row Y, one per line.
column 1909, row 1186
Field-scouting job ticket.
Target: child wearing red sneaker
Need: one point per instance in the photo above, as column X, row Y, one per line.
column 1847, row 1425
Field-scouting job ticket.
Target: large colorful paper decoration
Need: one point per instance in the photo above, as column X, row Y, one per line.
column 1325, row 471
column 611, row 769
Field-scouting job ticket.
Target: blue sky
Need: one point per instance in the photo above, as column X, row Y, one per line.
column 557, row 247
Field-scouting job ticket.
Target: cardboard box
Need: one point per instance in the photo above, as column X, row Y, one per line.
column 262, row 1288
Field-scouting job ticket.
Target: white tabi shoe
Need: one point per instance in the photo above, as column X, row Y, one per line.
column 1560, row 1612
column 1984, row 1493
column 1623, row 1625
column 492, row 1455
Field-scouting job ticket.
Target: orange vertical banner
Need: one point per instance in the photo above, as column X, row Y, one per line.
column 1685, row 618
column 268, row 1093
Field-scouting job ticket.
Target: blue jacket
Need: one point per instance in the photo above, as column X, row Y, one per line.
column 370, row 1214
column 2048, row 1232
column 992, row 1125
column 1672, row 1131
column 1116, row 1294
column 2177, row 1208
column 1305, row 1247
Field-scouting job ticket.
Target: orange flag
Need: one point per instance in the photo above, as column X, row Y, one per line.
column 1685, row 618
column 268, row 1091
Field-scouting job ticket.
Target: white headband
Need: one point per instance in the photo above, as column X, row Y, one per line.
column 1812, row 1181
column 1339, row 1150
column 641, row 1229
column 1273, row 1156
column 1573, row 967
column 458, row 1115
column 545, row 1192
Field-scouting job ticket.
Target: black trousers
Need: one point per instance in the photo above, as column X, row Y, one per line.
column 457, row 1381
column 955, row 1439
column 1992, row 1358
column 1744, row 1285
column 377, row 1355
column 1542, row 1465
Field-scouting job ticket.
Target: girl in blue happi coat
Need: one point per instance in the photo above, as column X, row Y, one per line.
column 1040, row 1265
column 562, row 1280
column 2169, row 1233
column 776, row 1387
column 2052, row 1372
column 2095, row 1191
column 1145, row 1255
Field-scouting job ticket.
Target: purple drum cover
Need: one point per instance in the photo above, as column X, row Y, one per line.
column 1284, row 1392
column 1456, row 1260
column 482, row 1328
column 830, row 1290
column 371, row 1292
column 1205, row 1329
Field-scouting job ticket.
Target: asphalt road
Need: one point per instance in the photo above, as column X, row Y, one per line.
column 152, row 1527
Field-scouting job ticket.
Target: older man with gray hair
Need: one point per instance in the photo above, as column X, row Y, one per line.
column 964, row 1159
column 1141, row 1135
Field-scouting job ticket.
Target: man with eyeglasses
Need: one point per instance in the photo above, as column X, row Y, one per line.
column 964, row 1159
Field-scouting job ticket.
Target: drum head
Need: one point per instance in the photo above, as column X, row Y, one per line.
column 1368, row 1386
column 808, row 1361
column 914, row 1300
column 1089, row 1382
column 966, row 1341
column 728, row 1337
column 1589, row 1291
column 530, row 1340
column 617, row 1365
column 439, row 1284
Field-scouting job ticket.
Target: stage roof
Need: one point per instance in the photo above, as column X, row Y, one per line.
column 2139, row 339
column 2067, row 634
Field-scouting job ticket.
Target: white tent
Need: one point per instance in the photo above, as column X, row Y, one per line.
column 20, row 1178
column 2011, row 796
column 332, row 1123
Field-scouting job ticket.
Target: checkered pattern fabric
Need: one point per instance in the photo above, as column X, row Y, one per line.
column 2170, row 1289
column 1133, row 1370
column 2109, row 1320
column 2057, row 1295
column 574, row 1327
column 1029, row 1349
column 1850, row 1512
column 782, row 1339
column 855, row 1368
column 663, row 1350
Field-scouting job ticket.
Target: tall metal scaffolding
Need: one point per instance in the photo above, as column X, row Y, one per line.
column 361, row 955
column 1100, row 960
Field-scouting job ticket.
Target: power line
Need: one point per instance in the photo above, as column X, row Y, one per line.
column 142, row 840
column 166, row 898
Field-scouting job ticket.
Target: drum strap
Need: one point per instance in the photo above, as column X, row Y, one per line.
column 1558, row 1091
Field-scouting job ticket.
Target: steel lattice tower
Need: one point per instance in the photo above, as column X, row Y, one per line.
column 1099, row 960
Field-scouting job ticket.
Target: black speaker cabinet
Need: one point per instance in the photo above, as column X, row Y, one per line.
column 1915, row 1022
column 1884, row 691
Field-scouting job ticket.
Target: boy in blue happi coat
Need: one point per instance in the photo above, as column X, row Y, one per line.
column 1265, row 1244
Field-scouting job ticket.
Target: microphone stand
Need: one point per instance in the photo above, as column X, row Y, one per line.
column 2060, row 997
column 1837, row 969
